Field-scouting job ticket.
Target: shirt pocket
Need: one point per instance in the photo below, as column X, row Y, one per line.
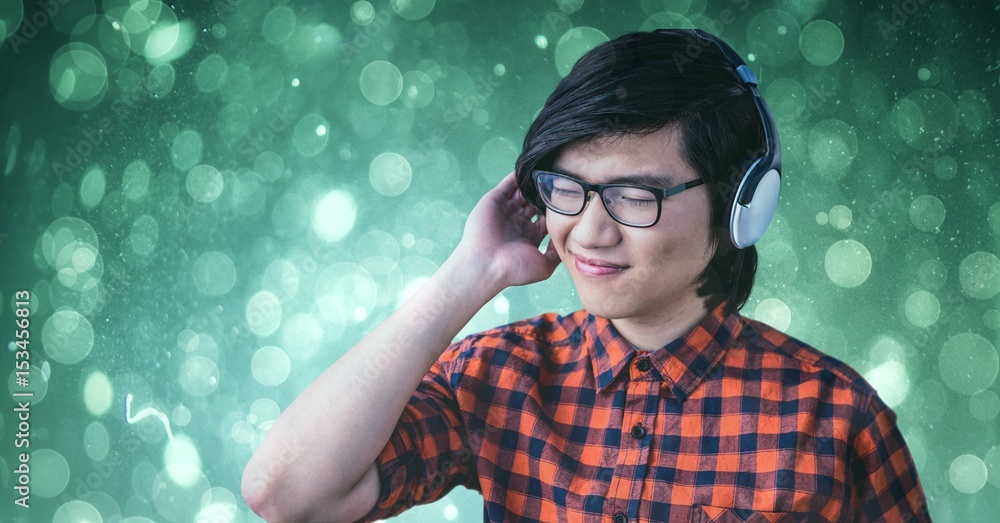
column 709, row 514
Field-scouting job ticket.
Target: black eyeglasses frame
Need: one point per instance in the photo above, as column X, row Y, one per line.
column 660, row 194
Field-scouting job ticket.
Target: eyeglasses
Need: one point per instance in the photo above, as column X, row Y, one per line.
column 632, row 205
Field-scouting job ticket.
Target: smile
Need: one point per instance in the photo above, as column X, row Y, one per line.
column 597, row 267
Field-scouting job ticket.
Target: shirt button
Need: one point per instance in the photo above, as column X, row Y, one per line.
column 621, row 518
column 638, row 431
column 643, row 365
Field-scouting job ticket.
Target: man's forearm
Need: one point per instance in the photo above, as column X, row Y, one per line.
column 326, row 440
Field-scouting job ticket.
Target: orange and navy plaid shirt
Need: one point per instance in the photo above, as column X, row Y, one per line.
column 560, row 419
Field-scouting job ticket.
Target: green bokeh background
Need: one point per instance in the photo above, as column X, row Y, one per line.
column 273, row 178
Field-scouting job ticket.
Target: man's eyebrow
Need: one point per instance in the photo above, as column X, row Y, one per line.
column 661, row 181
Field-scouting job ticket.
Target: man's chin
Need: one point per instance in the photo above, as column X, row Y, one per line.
column 605, row 307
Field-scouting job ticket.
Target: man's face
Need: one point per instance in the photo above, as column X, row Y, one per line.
column 660, row 262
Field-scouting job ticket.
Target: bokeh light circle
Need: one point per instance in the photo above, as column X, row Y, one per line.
column 92, row 187
column 979, row 275
column 848, row 263
column 412, row 9
column 345, row 294
column 993, row 218
column 279, row 24
column 49, row 473
column 214, row 273
column 11, row 13
column 177, row 502
column 786, row 99
column 186, row 149
column 263, row 412
column 211, row 73
column 833, row 145
column 199, row 376
column 96, row 441
column 67, row 336
column 362, row 12
column 302, row 334
column 311, row 135
column 76, row 511
column 381, row 82
column 270, row 366
column 922, row 309
column 840, row 217
column 78, row 76
column 334, row 216
column 269, row 166
column 968, row 363
column 945, row 167
column 98, row 393
column 167, row 38
column 182, row 461
column 925, row 118
column 38, row 383
column 992, row 460
column 773, row 312
column 204, row 183
column 821, row 42
column 495, row 157
column 218, row 504
column 135, row 180
column 145, row 233
column 417, row 90
column 927, row 213
column 891, row 381
column 984, row 405
column 390, row 174
column 65, row 231
column 967, row 473
column 575, row 43
column 975, row 111
column 263, row 313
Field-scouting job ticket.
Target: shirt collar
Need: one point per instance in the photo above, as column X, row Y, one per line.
column 682, row 363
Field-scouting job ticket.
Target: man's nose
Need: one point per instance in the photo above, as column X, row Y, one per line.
column 595, row 227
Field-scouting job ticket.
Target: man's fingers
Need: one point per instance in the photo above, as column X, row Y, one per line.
column 508, row 185
column 540, row 225
column 551, row 253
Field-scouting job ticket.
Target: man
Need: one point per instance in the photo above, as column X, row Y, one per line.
column 655, row 402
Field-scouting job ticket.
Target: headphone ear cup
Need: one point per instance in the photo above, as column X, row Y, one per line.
column 747, row 223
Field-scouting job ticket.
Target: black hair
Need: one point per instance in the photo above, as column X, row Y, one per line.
column 640, row 83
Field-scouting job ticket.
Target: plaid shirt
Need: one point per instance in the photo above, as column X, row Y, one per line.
column 560, row 419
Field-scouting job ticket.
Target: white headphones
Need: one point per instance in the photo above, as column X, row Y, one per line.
column 752, row 204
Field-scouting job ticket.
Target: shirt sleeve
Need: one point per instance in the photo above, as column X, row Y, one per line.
column 885, row 486
column 428, row 453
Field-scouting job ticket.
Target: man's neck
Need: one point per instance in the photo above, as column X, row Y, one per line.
column 651, row 333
